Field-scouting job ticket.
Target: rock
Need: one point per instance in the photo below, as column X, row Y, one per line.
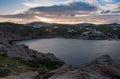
column 105, row 59
column 23, row 46
column 62, row 69
column 51, row 57
column 103, row 67
column 27, row 75
column 2, row 46
column 24, row 52
column 29, row 60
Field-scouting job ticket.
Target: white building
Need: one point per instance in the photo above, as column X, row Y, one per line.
column 93, row 32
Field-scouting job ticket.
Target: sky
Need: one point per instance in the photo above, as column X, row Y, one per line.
column 60, row 11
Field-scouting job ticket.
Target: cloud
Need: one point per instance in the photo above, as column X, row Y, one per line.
column 71, row 7
column 108, row 0
column 66, row 9
column 35, row 3
column 111, row 9
column 31, row 4
column 71, row 11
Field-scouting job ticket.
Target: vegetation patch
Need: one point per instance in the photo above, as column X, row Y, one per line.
column 9, row 65
column 4, row 72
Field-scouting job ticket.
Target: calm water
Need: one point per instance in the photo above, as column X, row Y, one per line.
column 76, row 51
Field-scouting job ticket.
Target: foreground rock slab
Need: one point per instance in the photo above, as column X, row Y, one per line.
column 103, row 67
column 27, row 75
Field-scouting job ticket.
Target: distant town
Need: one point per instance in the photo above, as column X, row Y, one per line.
column 46, row 30
column 81, row 31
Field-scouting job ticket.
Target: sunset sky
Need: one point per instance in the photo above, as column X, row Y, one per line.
column 60, row 11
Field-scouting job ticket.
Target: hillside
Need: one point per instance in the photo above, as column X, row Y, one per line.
column 32, row 30
column 17, row 31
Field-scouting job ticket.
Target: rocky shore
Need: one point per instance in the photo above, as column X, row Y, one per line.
column 103, row 67
column 21, row 62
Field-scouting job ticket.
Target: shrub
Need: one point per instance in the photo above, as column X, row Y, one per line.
column 4, row 72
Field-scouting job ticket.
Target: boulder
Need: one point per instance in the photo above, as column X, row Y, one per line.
column 104, row 59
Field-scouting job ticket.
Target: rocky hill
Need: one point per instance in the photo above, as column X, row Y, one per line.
column 17, row 31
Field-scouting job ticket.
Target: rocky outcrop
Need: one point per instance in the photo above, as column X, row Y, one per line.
column 24, row 52
column 20, row 58
column 103, row 67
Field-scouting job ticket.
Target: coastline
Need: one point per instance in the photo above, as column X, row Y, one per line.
column 61, row 70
